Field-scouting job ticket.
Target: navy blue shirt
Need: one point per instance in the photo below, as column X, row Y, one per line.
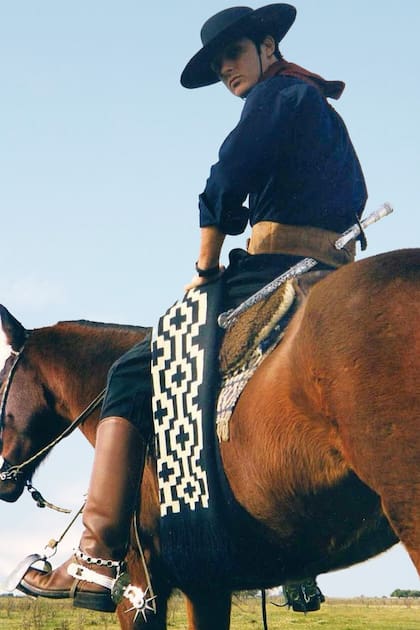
column 291, row 153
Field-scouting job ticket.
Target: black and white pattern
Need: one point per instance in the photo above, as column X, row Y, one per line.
column 200, row 518
column 177, row 372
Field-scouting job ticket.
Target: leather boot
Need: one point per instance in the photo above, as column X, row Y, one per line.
column 112, row 496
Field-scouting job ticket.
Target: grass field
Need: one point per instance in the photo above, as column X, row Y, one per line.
column 353, row 614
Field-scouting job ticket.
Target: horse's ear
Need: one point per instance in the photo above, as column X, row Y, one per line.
column 14, row 331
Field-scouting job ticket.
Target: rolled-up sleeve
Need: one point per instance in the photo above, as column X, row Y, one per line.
column 246, row 158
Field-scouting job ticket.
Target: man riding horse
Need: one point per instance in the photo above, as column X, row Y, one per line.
column 291, row 154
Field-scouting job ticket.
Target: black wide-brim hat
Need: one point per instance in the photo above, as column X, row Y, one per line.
column 229, row 25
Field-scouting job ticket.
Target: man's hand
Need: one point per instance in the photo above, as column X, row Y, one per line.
column 198, row 281
column 211, row 241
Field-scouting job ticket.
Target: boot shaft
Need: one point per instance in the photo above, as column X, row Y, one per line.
column 114, row 489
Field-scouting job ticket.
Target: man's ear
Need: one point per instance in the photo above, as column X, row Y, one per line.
column 269, row 45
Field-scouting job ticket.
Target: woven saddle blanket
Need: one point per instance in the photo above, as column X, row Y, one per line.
column 191, row 368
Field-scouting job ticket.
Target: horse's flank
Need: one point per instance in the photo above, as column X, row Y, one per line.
column 338, row 398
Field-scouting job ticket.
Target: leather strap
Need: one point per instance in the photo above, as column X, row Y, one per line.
column 88, row 575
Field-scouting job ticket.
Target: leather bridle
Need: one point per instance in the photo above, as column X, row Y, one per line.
column 11, row 472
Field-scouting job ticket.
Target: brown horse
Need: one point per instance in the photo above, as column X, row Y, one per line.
column 331, row 477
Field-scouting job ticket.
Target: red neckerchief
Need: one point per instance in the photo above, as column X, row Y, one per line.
column 331, row 89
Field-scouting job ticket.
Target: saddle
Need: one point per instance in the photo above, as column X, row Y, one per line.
column 252, row 327
column 251, row 338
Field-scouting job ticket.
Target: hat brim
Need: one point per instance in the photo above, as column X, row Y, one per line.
column 275, row 19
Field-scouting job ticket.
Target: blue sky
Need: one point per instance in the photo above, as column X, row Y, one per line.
column 103, row 155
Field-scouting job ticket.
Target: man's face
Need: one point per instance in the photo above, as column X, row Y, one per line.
column 238, row 65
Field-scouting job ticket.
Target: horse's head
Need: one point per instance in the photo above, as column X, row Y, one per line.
column 47, row 377
column 25, row 407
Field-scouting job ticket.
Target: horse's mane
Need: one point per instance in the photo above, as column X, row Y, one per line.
column 70, row 339
column 117, row 335
column 110, row 326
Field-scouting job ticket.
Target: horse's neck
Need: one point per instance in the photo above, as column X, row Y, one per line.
column 73, row 386
column 75, row 365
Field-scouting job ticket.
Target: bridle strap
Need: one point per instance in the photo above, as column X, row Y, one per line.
column 17, row 354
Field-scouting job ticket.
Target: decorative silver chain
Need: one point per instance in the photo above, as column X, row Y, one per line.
column 99, row 562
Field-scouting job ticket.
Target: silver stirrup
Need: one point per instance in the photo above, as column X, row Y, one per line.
column 15, row 578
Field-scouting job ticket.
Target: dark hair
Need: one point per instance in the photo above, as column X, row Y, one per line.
column 259, row 36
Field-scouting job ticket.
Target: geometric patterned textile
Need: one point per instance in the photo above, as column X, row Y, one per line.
column 177, row 373
column 204, row 532
column 194, row 496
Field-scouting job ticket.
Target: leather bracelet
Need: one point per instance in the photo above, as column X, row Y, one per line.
column 207, row 273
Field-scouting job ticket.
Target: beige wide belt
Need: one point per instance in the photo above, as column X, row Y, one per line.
column 269, row 237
